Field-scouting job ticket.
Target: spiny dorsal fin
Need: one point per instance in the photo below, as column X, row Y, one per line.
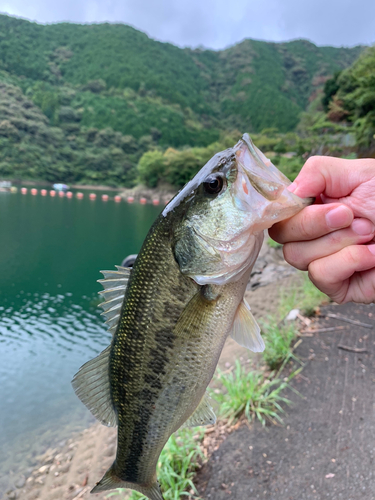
column 91, row 384
column 114, row 284
column 245, row 330
column 203, row 415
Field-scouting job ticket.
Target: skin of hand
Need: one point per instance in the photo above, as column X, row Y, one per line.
column 334, row 238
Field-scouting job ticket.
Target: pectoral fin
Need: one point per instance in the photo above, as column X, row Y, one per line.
column 203, row 415
column 195, row 316
column 245, row 330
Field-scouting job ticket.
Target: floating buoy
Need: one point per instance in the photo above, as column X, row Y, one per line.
column 43, row 192
column 117, row 198
column 34, row 191
column 142, row 201
column 105, row 197
column 79, row 196
column 52, row 192
column 69, row 194
column 61, row 194
column 130, row 199
column 167, row 201
column 155, row 201
column 23, row 190
column 92, row 196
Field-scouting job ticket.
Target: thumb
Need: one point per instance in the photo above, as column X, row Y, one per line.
column 333, row 177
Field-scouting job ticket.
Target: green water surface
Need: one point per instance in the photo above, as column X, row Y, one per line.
column 51, row 252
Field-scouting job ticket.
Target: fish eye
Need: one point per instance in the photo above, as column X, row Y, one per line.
column 213, row 184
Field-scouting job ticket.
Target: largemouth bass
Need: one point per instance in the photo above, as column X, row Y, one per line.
column 171, row 314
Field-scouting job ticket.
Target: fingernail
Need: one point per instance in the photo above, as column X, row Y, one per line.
column 362, row 226
column 338, row 217
column 371, row 248
column 292, row 187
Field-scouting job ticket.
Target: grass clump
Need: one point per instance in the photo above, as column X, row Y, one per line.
column 278, row 340
column 177, row 465
column 251, row 395
column 304, row 296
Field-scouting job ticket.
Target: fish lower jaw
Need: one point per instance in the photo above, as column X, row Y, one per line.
column 236, row 271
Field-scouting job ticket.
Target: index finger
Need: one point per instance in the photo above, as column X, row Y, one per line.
column 312, row 222
column 334, row 177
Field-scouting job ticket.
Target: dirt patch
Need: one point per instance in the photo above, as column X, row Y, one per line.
column 326, row 448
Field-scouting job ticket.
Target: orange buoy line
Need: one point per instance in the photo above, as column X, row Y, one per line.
column 92, row 196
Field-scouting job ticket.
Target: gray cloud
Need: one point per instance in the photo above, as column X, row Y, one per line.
column 217, row 23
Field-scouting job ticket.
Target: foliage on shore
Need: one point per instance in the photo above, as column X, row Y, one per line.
column 349, row 98
column 83, row 103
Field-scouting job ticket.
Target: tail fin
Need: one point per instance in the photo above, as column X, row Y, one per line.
column 111, row 481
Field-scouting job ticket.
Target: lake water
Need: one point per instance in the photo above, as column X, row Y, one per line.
column 51, row 252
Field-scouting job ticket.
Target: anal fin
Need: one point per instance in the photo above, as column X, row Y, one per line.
column 203, row 415
column 245, row 330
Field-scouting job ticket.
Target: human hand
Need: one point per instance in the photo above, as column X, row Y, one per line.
column 332, row 239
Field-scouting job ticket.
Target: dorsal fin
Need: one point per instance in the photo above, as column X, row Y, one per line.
column 114, row 284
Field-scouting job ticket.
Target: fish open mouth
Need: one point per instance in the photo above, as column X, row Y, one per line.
column 262, row 189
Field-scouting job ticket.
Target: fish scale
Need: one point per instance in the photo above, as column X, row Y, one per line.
column 172, row 313
column 144, row 348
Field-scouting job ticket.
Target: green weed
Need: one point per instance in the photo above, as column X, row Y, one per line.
column 278, row 340
column 279, row 335
column 304, row 296
column 312, row 297
column 250, row 394
column 177, row 465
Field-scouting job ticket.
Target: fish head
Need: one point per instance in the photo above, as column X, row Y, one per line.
column 219, row 217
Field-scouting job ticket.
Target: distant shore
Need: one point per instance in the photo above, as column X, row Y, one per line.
column 163, row 193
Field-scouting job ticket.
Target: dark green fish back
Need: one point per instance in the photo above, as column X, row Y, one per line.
column 142, row 348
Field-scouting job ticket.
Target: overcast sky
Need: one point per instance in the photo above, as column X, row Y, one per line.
column 217, row 23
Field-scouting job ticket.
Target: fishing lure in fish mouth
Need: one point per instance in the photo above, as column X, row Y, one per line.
column 172, row 312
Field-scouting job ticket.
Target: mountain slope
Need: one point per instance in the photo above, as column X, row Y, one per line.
column 110, row 79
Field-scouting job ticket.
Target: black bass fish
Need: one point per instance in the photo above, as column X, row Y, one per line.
column 171, row 314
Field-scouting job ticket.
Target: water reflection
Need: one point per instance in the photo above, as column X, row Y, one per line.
column 51, row 253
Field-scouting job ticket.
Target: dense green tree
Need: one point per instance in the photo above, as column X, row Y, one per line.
column 354, row 99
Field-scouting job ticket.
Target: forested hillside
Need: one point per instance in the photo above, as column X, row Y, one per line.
column 84, row 102
column 350, row 98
